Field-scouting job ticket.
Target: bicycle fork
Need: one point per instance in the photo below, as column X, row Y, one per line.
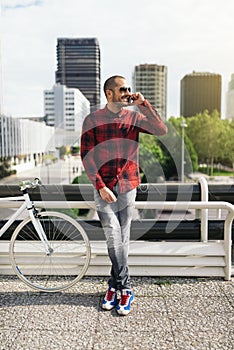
column 40, row 231
column 33, row 213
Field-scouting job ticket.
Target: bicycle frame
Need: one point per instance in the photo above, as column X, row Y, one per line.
column 14, row 216
column 28, row 204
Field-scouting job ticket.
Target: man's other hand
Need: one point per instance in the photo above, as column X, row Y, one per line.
column 107, row 195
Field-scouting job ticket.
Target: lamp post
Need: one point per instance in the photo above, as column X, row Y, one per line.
column 69, row 168
column 48, row 163
column 183, row 126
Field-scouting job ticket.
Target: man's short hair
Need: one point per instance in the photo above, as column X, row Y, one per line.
column 110, row 83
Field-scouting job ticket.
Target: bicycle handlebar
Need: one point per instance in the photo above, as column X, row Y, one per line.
column 29, row 184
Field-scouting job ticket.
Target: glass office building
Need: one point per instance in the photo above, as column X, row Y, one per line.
column 78, row 66
column 200, row 91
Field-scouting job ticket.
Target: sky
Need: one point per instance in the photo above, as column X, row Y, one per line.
column 184, row 35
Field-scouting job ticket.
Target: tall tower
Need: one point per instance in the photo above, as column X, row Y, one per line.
column 198, row 92
column 78, row 66
column 230, row 99
column 151, row 80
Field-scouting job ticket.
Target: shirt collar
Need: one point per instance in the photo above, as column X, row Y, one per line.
column 113, row 115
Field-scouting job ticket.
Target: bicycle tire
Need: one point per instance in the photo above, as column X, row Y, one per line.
column 64, row 267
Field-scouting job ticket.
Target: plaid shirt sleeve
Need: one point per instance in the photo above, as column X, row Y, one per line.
column 87, row 153
column 150, row 121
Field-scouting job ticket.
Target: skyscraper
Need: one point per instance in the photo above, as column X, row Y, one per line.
column 78, row 66
column 198, row 92
column 230, row 99
column 151, row 80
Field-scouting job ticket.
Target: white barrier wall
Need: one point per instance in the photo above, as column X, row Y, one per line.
column 23, row 138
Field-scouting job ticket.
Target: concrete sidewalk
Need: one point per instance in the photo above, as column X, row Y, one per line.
column 168, row 313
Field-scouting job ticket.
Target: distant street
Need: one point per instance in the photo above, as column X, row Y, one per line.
column 61, row 172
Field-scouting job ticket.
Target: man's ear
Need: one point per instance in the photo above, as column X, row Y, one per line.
column 109, row 95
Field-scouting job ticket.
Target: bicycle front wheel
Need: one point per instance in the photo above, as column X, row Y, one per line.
column 67, row 262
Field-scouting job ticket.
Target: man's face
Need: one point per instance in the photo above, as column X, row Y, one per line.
column 121, row 92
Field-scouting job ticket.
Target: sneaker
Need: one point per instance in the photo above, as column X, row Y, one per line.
column 124, row 306
column 110, row 299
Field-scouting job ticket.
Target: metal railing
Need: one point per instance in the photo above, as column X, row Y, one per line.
column 204, row 205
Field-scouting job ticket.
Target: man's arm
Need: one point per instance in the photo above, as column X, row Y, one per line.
column 87, row 148
column 151, row 123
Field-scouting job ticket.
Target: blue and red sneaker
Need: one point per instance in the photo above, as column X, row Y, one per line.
column 124, row 306
column 110, row 299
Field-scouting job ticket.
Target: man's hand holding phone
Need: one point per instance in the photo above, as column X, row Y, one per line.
column 136, row 99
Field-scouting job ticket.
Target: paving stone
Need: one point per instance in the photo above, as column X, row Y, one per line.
column 168, row 313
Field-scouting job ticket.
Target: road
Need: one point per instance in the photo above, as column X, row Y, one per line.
column 61, row 172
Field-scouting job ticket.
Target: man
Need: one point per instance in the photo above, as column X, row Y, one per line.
column 109, row 151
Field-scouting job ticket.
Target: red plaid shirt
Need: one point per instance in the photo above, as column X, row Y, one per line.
column 109, row 144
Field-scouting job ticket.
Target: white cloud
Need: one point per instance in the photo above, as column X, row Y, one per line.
column 185, row 35
column 17, row 4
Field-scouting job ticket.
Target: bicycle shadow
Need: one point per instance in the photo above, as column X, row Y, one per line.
column 24, row 299
column 93, row 299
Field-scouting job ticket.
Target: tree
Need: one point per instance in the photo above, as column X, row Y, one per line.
column 5, row 168
column 227, row 142
column 161, row 157
column 191, row 158
column 150, row 158
column 75, row 150
column 231, row 144
column 205, row 132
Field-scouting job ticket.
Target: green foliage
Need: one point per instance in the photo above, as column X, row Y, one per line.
column 212, row 138
column 75, row 150
column 150, row 158
column 161, row 157
column 49, row 157
column 191, row 157
column 216, row 171
column 73, row 212
column 5, row 167
column 227, row 144
column 82, row 179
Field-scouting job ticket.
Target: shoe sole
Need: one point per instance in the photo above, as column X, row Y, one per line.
column 108, row 308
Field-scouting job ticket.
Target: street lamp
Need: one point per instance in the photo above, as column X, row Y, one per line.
column 183, row 125
column 48, row 163
column 69, row 168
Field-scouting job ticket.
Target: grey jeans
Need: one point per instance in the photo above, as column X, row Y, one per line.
column 116, row 222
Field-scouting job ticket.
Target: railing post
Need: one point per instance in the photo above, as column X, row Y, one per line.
column 228, row 245
column 204, row 212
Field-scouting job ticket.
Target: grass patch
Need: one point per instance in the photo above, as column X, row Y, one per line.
column 216, row 171
column 162, row 282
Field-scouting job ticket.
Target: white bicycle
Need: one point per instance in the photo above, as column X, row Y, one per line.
column 49, row 251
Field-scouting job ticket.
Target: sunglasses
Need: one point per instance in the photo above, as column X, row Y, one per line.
column 124, row 89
